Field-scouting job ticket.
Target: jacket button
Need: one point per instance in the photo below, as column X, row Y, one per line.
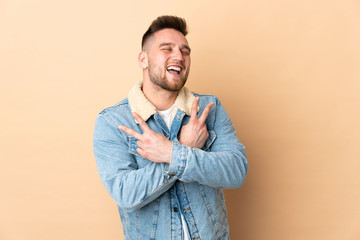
column 176, row 209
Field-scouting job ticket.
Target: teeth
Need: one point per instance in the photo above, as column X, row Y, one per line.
column 178, row 69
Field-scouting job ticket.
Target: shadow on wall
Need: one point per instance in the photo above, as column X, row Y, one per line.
column 237, row 203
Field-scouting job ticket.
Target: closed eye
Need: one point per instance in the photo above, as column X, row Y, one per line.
column 185, row 52
column 166, row 49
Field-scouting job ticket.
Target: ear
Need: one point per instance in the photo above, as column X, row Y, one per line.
column 143, row 60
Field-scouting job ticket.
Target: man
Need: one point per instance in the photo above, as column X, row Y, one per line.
column 164, row 153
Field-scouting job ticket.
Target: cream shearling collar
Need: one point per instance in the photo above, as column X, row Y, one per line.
column 142, row 106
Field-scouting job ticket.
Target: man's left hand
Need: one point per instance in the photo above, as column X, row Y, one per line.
column 194, row 134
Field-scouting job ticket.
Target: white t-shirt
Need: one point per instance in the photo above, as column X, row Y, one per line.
column 166, row 114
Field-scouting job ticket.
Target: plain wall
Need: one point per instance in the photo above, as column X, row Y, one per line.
column 288, row 73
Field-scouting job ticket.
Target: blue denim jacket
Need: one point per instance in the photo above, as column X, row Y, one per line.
column 151, row 195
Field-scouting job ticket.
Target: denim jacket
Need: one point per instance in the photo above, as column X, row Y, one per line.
column 151, row 195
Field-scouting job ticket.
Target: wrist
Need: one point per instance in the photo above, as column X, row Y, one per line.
column 178, row 159
column 168, row 160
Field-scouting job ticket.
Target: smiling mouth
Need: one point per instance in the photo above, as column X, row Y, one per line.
column 174, row 70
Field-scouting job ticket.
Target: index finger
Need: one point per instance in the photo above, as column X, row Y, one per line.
column 206, row 111
column 130, row 131
column 141, row 122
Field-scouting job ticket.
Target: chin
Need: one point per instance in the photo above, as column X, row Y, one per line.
column 176, row 86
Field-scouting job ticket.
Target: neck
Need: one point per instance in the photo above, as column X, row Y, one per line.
column 162, row 99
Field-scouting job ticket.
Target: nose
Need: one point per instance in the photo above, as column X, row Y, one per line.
column 177, row 55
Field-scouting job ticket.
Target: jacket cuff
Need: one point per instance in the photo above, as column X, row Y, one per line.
column 178, row 160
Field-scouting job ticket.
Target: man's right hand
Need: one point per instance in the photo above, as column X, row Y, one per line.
column 194, row 134
column 152, row 145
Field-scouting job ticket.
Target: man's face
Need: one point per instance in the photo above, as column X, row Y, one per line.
column 168, row 59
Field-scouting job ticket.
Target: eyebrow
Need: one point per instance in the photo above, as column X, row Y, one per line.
column 171, row 44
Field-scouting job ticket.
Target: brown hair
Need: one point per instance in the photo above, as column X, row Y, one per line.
column 163, row 22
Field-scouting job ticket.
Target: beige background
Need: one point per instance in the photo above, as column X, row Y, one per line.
column 288, row 72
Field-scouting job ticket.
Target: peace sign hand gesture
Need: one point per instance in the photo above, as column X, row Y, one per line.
column 194, row 134
column 152, row 145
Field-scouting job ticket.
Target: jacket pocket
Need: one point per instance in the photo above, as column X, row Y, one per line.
column 140, row 161
column 210, row 140
column 133, row 146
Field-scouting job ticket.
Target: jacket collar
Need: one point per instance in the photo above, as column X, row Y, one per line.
column 142, row 106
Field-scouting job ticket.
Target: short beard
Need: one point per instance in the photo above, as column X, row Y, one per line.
column 163, row 83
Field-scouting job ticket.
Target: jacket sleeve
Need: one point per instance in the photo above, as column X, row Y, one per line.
column 223, row 165
column 130, row 186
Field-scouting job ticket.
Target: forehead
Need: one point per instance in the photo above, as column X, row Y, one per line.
column 168, row 35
